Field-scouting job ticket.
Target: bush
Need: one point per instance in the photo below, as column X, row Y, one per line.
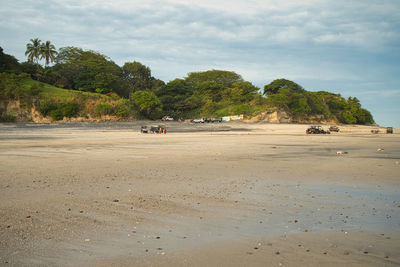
column 50, row 107
column 10, row 86
column 123, row 108
column 56, row 115
column 69, row 109
column 46, row 106
column 34, row 89
column 104, row 109
column 7, row 118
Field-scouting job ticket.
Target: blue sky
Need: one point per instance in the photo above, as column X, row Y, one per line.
column 342, row 46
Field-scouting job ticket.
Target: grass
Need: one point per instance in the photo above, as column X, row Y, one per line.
column 47, row 90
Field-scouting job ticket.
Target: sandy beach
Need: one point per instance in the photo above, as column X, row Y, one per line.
column 229, row 194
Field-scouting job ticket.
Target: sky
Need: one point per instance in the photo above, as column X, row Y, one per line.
column 350, row 47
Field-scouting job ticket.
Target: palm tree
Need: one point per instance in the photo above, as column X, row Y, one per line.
column 33, row 50
column 48, row 52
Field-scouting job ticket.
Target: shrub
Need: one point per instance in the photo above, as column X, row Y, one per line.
column 56, row 115
column 34, row 89
column 46, row 106
column 123, row 108
column 10, row 86
column 7, row 118
column 58, row 110
column 104, row 109
column 69, row 109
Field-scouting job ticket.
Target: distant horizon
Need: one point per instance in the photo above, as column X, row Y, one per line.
column 352, row 49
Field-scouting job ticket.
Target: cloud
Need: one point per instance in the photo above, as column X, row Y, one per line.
column 306, row 40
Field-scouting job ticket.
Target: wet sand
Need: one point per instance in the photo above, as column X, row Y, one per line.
column 231, row 194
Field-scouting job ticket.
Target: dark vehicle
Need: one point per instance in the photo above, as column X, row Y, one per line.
column 158, row 129
column 389, row 130
column 334, row 128
column 316, row 130
column 144, row 129
column 216, row 120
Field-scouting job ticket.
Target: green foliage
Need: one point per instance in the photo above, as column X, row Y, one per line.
column 33, row 69
column 8, row 63
column 35, row 89
column 10, row 86
column 69, row 109
column 210, row 90
column 210, row 93
column 135, row 76
column 175, row 96
column 278, row 84
column 48, row 52
column 86, row 70
column 301, row 103
column 221, row 77
column 347, row 117
column 34, row 50
column 58, row 110
column 56, row 115
column 147, row 103
column 4, row 117
column 46, row 106
column 123, row 108
column 240, row 92
column 104, row 109
column 317, row 104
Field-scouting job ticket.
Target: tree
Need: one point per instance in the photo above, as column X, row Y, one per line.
column 34, row 50
column 135, row 76
column 86, row 70
column 275, row 85
column 241, row 92
column 222, row 77
column 35, row 70
column 175, row 97
column 147, row 104
column 210, row 90
column 8, row 63
column 48, row 52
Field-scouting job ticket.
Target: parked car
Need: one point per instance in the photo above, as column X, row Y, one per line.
column 316, row 130
column 158, row 129
column 167, row 118
column 334, row 128
column 216, row 120
column 200, row 120
column 144, row 129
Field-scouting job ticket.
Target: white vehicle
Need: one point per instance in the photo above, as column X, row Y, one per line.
column 201, row 120
column 167, row 118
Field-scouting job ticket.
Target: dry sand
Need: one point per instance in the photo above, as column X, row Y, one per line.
column 232, row 194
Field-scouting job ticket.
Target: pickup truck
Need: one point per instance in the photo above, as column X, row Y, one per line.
column 200, row 120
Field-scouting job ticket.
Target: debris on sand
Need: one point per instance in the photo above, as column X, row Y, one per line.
column 340, row 152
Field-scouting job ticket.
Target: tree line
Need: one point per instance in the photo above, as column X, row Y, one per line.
column 209, row 93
